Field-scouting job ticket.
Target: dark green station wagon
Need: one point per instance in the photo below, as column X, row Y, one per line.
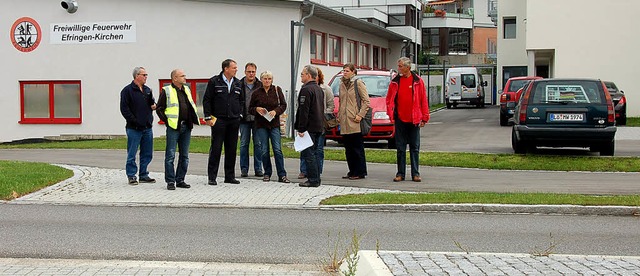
column 565, row 113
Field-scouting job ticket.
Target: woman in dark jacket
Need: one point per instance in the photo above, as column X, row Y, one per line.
column 267, row 103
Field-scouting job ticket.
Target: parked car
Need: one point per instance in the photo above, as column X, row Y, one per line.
column 619, row 102
column 377, row 83
column 510, row 97
column 464, row 84
column 565, row 113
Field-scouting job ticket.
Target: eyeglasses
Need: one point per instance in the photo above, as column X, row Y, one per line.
column 144, row 75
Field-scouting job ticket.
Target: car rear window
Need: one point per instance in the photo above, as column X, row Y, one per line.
column 568, row 92
column 469, row 80
column 516, row 84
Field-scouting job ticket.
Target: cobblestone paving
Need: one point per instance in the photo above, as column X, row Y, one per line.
column 34, row 267
column 434, row 263
column 97, row 186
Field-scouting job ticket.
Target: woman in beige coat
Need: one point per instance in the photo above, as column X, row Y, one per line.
column 349, row 117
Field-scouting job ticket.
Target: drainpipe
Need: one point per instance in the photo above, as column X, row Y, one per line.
column 295, row 61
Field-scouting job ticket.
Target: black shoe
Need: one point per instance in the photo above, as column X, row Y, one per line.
column 133, row 181
column 183, row 185
column 309, row 184
column 244, row 174
column 213, row 182
column 232, row 181
column 259, row 174
column 171, row 186
column 147, row 180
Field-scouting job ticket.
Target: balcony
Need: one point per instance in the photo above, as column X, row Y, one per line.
column 447, row 20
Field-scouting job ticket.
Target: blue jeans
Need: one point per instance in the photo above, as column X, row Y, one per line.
column 319, row 156
column 309, row 156
column 407, row 133
column 273, row 134
column 142, row 139
column 181, row 138
column 246, row 131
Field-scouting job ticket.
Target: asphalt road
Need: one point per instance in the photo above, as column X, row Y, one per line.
column 293, row 236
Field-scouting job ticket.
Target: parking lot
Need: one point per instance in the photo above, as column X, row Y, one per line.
column 470, row 129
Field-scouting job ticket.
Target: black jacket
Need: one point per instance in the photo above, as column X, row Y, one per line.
column 135, row 106
column 219, row 102
column 310, row 113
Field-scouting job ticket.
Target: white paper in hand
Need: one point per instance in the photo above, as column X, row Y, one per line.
column 268, row 116
column 301, row 143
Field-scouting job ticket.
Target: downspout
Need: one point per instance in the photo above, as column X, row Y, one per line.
column 295, row 64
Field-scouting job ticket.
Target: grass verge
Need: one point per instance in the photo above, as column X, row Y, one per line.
column 20, row 178
column 633, row 121
column 435, row 159
column 484, row 198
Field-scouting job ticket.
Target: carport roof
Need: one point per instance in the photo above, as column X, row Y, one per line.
column 337, row 17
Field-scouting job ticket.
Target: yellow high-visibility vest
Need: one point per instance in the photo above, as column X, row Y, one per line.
column 173, row 106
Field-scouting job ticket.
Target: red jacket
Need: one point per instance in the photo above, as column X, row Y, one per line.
column 420, row 108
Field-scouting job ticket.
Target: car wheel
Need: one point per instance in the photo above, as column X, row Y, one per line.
column 622, row 120
column 448, row 104
column 391, row 143
column 455, row 105
column 519, row 147
column 607, row 149
column 504, row 120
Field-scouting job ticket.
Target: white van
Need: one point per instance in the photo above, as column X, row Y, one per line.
column 464, row 84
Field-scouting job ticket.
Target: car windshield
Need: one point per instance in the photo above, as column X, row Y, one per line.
column 567, row 92
column 377, row 85
column 517, row 84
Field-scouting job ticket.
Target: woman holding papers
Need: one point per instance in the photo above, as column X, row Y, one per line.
column 267, row 103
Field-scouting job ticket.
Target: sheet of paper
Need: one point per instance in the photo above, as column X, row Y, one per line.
column 268, row 116
column 301, row 143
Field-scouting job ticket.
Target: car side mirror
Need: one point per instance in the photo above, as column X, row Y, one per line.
column 621, row 91
column 500, row 91
column 484, row 83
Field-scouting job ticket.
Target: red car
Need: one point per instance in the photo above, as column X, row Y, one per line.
column 510, row 97
column 377, row 83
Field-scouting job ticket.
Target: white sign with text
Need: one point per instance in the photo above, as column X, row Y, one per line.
column 93, row 32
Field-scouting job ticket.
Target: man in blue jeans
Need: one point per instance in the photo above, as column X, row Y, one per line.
column 309, row 121
column 177, row 109
column 136, row 105
column 247, row 124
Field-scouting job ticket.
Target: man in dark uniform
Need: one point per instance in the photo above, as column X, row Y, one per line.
column 222, row 103
column 309, row 119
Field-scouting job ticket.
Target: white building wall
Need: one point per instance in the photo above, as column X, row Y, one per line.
column 193, row 35
column 511, row 52
column 597, row 42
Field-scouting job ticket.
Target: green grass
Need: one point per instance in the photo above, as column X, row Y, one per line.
column 436, row 159
column 633, row 121
column 20, row 178
column 484, row 198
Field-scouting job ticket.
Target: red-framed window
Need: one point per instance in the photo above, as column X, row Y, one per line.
column 50, row 102
column 317, row 47
column 364, row 51
column 376, row 58
column 383, row 59
column 197, row 87
column 352, row 52
column 335, row 50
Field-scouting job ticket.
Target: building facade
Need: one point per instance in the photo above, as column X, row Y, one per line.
column 570, row 38
column 69, row 68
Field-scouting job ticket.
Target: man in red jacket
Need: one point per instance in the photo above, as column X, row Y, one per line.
column 408, row 110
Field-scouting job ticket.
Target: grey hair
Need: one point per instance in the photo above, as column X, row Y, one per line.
column 311, row 70
column 136, row 71
column 266, row 74
column 405, row 61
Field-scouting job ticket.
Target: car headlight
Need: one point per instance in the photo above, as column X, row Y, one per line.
column 381, row 115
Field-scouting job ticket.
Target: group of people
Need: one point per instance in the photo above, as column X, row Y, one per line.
column 252, row 106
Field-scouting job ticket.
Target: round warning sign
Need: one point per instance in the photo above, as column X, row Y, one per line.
column 26, row 34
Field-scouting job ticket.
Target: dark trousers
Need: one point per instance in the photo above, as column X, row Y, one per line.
column 407, row 133
column 354, row 152
column 309, row 156
column 225, row 131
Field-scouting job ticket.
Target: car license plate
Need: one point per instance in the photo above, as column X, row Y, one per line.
column 455, row 98
column 566, row 117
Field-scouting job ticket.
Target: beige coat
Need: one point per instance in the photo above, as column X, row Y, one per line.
column 349, row 108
